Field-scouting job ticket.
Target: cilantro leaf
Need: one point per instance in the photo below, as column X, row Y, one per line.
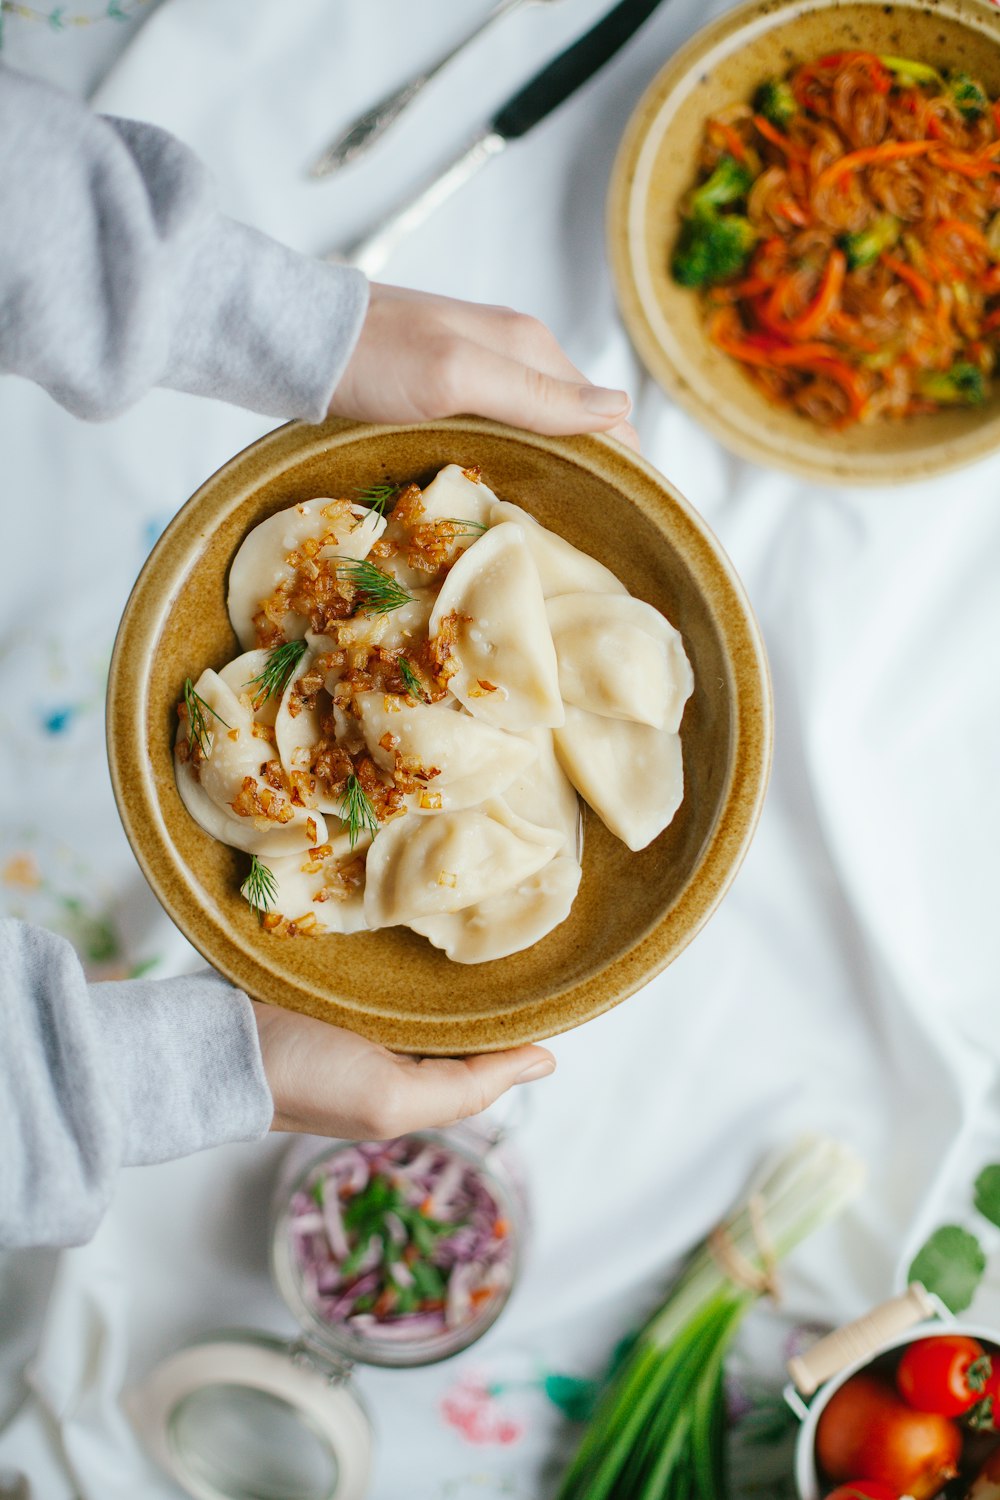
column 951, row 1265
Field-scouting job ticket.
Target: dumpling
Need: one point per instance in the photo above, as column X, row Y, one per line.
column 505, row 924
column 562, row 568
column 418, row 867
column 262, row 563
column 326, row 884
column 239, row 674
column 632, row 775
column 542, row 794
column 393, row 630
column 619, row 657
column 231, row 772
column 492, row 614
column 298, row 731
column 471, row 761
column 454, row 494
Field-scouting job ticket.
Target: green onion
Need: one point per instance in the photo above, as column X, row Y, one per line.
column 658, row 1429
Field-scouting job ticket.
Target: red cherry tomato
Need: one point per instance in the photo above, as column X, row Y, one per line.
column 863, row 1489
column 946, row 1374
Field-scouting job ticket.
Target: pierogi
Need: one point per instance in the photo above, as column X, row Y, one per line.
column 430, row 682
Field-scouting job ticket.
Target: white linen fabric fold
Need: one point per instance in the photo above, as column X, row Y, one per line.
column 848, row 983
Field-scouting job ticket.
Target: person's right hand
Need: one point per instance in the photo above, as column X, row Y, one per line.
column 328, row 1081
column 421, row 357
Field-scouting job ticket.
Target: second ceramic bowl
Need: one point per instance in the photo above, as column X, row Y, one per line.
column 634, row 912
column 657, row 165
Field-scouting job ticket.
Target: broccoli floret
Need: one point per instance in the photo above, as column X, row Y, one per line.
column 712, row 248
column 865, row 247
column 911, row 73
column 776, row 102
column 968, row 96
column 963, row 385
column 729, row 182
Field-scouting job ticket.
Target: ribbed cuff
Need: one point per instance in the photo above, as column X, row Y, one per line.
column 183, row 1058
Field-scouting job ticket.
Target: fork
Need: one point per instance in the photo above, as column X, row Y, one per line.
column 370, row 126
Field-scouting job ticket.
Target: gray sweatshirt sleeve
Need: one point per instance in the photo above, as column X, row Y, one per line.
column 119, row 273
column 102, row 1076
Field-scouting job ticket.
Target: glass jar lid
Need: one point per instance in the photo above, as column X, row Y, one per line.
column 242, row 1416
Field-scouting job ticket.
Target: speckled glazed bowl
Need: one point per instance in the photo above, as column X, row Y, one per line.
column 655, row 168
column 634, row 912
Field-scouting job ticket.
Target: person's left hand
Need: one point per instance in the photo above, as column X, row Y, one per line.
column 328, row 1081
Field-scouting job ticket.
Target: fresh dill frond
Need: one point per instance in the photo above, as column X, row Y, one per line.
column 357, row 811
column 377, row 592
column 197, row 708
column 260, row 889
column 377, row 497
column 280, row 664
column 462, row 526
column 414, row 686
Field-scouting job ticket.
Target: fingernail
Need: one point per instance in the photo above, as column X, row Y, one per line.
column 602, row 402
column 537, row 1070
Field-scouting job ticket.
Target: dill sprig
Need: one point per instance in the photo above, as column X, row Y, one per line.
column 280, row 664
column 377, row 592
column 197, row 708
column 260, row 889
column 414, row 686
column 462, row 526
column 377, row 496
column 357, row 811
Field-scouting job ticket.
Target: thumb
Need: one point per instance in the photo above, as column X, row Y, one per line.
column 432, row 1091
column 491, row 385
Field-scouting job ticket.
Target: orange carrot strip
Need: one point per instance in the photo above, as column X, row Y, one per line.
column 919, row 285
column 791, row 148
column 732, row 140
column 827, row 298
column 869, row 155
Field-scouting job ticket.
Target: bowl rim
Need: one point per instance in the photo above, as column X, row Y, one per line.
column 623, row 218
column 139, row 804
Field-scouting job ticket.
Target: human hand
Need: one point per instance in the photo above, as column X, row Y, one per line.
column 328, row 1081
column 421, row 356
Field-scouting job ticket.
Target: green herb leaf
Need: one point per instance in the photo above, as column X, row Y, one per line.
column 377, row 592
column 357, row 811
column 316, row 1192
column 260, row 889
column 987, row 1193
column 377, row 496
column 428, row 1280
column 463, row 527
column 280, row 664
column 951, row 1265
column 414, row 686
column 197, row 708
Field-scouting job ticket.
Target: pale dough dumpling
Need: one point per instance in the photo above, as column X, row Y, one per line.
column 261, row 564
column 619, row 657
column 507, row 673
column 451, row 496
column 394, row 630
column 544, row 795
column 418, row 867
column 298, row 734
column 562, row 568
column 234, row 754
column 336, row 877
column 238, row 675
column 473, row 761
column 631, row 774
column 505, row 924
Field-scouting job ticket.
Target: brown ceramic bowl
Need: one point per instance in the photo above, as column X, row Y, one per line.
column 634, row 912
column 656, row 167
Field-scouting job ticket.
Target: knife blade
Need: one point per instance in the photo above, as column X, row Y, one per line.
column 537, row 99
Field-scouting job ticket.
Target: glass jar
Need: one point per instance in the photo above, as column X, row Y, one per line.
column 241, row 1415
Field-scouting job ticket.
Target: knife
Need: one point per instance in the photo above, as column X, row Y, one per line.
column 537, row 99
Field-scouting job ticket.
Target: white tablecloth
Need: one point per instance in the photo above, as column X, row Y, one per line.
column 849, row 982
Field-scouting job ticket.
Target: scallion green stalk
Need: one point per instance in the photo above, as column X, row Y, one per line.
column 658, row 1431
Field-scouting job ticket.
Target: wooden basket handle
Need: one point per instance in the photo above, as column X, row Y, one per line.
column 861, row 1338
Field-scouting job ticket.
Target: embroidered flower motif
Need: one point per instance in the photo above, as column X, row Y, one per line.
column 472, row 1407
